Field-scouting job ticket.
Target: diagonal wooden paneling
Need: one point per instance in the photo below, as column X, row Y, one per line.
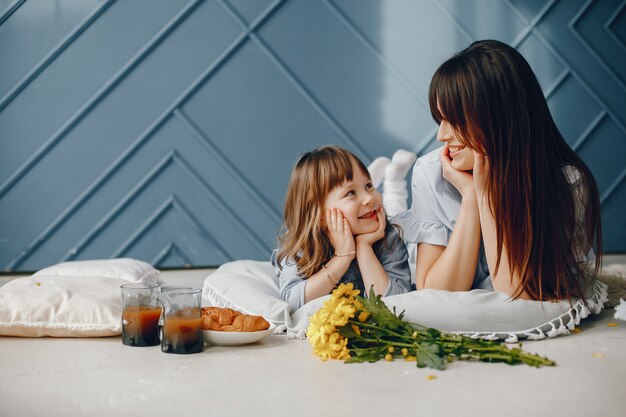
column 166, row 129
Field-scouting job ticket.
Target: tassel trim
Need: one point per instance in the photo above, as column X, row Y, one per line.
column 560, row 325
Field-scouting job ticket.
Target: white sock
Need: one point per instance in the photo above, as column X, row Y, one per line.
column 400, row 165
column 377, row 170
column 395, row 197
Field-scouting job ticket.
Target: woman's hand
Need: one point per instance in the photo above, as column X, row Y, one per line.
column 339, row 231
column 376, row 235
column 480, row 173
column 461, row 180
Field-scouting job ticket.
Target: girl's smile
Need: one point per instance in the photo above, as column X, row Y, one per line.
column 369, row 215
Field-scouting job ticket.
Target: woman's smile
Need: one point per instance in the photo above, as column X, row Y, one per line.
column 455, row 150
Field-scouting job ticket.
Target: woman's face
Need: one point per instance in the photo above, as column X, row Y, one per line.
column 461, row 156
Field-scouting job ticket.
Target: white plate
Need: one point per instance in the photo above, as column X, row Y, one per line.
column 215, row 337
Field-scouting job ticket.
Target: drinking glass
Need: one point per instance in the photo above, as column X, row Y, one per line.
column 182, row 320
column 140, row 315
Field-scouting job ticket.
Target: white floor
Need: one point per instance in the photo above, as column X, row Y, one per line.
column 280, row 377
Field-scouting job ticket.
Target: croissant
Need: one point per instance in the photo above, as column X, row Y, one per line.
column 229, row 320
column 222, row 316
column 245, row 323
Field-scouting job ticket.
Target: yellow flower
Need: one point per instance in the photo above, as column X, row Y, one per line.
column 319, row 328
column 333, row 346
column 340, row 312
column 356, row 329
column 345, row 290
column 389, row 357
column 363, row 315
column 322, row 331
column 338, row 345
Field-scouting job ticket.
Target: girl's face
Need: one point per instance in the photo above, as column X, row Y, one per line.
column 461, row 156
column 359, row 202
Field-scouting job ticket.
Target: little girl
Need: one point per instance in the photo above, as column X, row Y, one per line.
column 335, row 231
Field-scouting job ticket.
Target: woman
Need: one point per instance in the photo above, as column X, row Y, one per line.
column 506, row 203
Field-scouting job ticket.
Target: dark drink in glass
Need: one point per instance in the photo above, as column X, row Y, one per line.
column 182, row 331
column 140, row 325
column 141, row 312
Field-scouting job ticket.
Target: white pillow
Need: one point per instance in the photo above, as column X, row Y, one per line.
column 482, row 314
column 252, row 287
column 72, row 299
column 131, row 270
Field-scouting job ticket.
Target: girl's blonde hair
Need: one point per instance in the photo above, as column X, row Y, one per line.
column 302, row 238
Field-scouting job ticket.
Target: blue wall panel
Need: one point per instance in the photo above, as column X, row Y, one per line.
column 165, row 130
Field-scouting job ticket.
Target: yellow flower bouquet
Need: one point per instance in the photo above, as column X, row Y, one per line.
column 358, row 329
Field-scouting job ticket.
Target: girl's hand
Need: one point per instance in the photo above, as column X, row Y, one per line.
column 339, row 231
column 376, row 235
column 461, row 180
column 480, row 173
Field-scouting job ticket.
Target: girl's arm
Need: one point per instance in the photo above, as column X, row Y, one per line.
column 297, row 291
column 324, row 281
column 371, row 269
column 340, row 234
column 503, row 280
column 453, row 267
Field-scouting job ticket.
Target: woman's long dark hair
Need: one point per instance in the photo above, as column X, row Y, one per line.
column 542, row 195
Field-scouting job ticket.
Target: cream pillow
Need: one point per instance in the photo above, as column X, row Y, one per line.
column 72, row 299
column 127, row 269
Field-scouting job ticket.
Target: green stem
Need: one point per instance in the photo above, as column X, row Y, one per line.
column 387, row 343
column 373, row 326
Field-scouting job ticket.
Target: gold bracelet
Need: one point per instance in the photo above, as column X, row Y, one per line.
column 328, row 272
column 345, row 254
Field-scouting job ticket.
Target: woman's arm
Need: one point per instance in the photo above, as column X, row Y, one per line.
column 453, row 267
column 503, row 280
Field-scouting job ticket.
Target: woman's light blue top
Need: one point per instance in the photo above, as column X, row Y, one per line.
column 434, row 209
